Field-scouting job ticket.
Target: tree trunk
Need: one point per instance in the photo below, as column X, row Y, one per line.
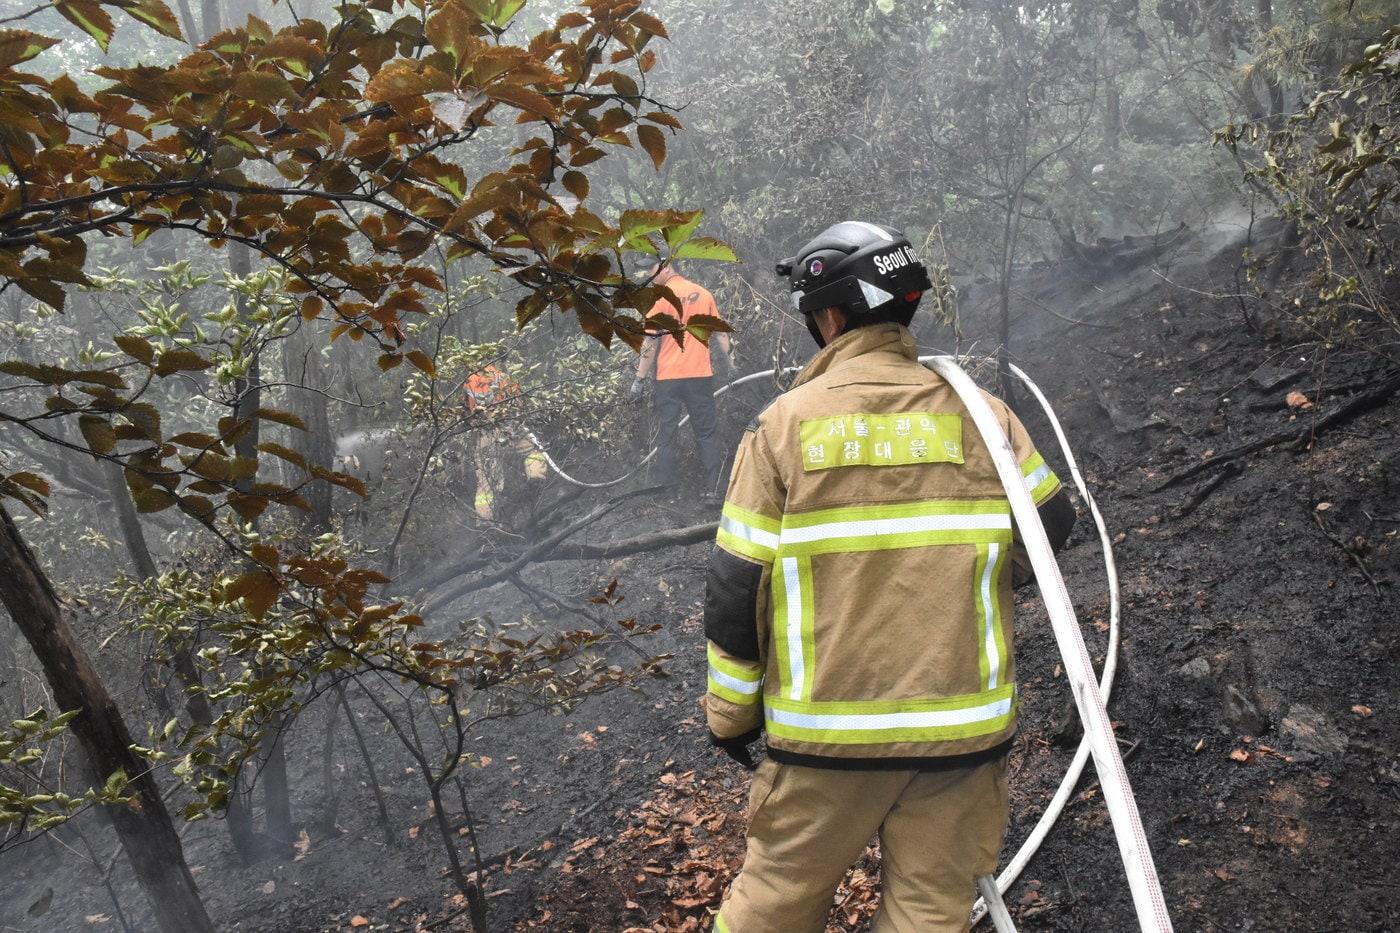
column 1265, row 12
column 144, row 827
column 129, row 521
column 209, row 12
column 192, row 35
column 1112, row 116
column 303, row 365
column 276, row 801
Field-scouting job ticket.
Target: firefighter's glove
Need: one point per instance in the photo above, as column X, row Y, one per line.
column 638, row 387
column 738, row 747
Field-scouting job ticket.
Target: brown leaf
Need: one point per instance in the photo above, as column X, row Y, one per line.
column 1239, row 755
column 653, row 141
column 1362, row 710
column 1298, row 400
column 359, row 921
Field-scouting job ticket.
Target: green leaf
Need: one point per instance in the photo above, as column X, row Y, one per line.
column 89, row 17
column 704, row 247
column 505, row 12
column 679, row 233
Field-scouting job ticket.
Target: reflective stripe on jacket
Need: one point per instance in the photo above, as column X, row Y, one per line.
column 858, row 605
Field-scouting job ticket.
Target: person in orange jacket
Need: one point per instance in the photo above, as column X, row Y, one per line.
column 483, row 389
column 684, row 378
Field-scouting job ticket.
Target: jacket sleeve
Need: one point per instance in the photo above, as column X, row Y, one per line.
column 1057, row 514
column 737, row 587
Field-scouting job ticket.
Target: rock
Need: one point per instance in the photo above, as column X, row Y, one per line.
column 1311, row 734
column 1196, row 670
column 1241, row 713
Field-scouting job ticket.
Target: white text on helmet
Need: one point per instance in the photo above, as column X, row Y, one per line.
column 896, row 260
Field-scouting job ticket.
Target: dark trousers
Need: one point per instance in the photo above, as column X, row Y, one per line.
column 696, row 397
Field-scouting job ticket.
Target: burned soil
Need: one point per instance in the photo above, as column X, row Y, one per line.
column 1249, row 481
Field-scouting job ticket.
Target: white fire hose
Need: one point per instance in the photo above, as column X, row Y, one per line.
column 1090, row 697
column 1079, row 671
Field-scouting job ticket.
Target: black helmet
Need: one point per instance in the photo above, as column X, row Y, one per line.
column 869, row 270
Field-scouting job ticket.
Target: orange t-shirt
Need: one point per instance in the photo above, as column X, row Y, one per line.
column 690, row 360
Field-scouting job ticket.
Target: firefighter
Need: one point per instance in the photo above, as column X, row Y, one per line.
column 499, row 458
column 858, row 610
column 684, row 379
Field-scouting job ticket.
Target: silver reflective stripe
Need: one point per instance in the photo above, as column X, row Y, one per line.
column 989, row 634
column 874, row 295
column 733, row 683
column 895, row 526
column 1037, row 476
column 794, row 627
column 749, row 533
column 912, row 720
column 874, row 229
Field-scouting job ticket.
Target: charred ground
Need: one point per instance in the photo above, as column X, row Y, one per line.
column 1253, row 698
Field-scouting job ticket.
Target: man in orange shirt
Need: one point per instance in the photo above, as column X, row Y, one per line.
column 684, row 378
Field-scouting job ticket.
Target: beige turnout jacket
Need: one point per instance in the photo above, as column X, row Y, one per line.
column 859, row 596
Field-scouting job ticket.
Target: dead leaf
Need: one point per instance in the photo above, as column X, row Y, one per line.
column 95, row 919
column 269, row 887
column 302, row 845
column 397, row 902
column 1222, row 874
column 1323, row 506
column 1297, row 399
column 1199, row 746
column 359, row 921
column 1362, row 710
column 1239, row 755
column 413, row 832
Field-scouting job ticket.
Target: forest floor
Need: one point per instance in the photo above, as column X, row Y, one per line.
column 1254, row 687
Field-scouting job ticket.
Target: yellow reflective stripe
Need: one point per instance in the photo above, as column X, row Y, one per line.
column 794, row 673
column 1041, row 481
column 880, row 721
column 794, row 626
column 752, row 519
column 981, row 613
column 748, row 533
column 903, row 525
column 748, row 672
column 991, row 644
column 809, row 621
column 720, row 925
column 744, row 547
column 924, row 507
column 724, row 691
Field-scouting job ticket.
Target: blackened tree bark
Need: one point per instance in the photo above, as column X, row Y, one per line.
column 147, row 834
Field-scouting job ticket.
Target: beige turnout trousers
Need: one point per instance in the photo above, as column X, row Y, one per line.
column 938, row 831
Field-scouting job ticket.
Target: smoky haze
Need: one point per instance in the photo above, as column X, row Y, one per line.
column 330, row 478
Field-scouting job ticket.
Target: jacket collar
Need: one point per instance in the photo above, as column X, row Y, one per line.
column 885, row 339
